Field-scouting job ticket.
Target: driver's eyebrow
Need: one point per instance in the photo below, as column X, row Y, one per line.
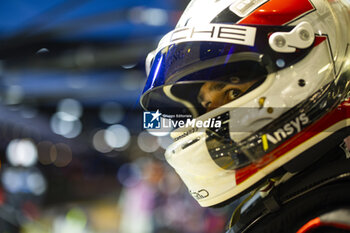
column 217, row 86
column 214, row 87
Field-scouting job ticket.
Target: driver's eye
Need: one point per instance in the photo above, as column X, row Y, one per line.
column 233, row 93
column 206, row 104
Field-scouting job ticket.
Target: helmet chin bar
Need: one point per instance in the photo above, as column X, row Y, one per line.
column 300, row 117
column 223, row 169
column 276, row 133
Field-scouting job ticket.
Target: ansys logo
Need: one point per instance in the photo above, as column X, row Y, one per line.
column 151, row 120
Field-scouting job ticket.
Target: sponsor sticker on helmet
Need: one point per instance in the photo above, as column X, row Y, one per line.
column 200, row 194
column 237, row 34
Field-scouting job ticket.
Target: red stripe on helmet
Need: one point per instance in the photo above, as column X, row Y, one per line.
column 317, row 222
column 319, row 40
column 277, row 12
column 309, row 226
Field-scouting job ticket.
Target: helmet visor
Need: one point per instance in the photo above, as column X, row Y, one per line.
column 184, row 74
column 207, row 89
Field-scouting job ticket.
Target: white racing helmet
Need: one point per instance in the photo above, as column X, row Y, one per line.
column 271, row 72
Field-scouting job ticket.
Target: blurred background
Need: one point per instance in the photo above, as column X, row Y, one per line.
column 73, row 155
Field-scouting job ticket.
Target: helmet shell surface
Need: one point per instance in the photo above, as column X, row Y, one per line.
column 281, row 67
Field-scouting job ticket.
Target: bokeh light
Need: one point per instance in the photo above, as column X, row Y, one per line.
column 111, row 113
column 12, row 180
column 14, row 95
column 117, row 136
column 64, row 155
column 71, row 107
column 22, row 152
column 36, row 183
column 20, row 180
column 73, row 222
column 154, row 17
column 129, row 66
column 147, row 142
column 66, row 125
column 42, row 51
column 100, row 143
column 47, row 152
column 78, row 216
column 149, row 16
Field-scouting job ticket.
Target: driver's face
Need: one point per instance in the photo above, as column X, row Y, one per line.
column 215, row 94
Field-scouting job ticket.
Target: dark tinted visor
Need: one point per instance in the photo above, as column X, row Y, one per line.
column 182, row 72
column 204, row 90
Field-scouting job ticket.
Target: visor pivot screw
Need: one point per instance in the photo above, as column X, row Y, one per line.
column 270, row 110
column 304, row 35
column 280, row 41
